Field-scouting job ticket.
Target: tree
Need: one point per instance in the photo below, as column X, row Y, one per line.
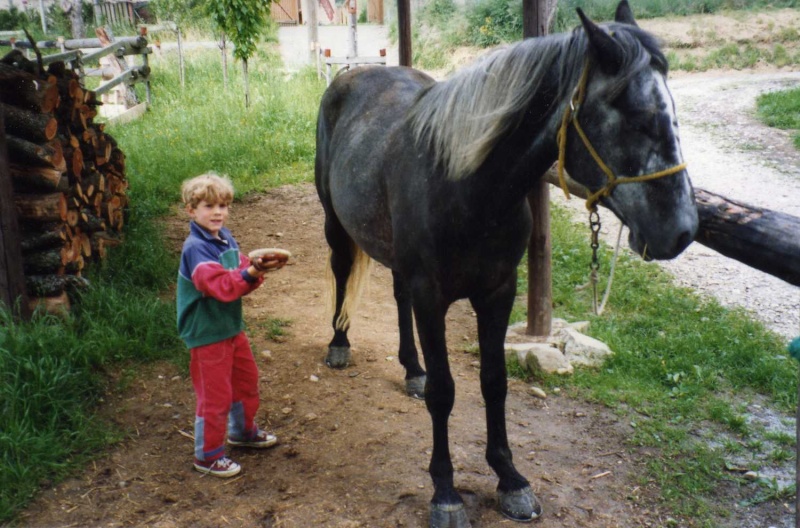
column 74, row 10
column 243, row 22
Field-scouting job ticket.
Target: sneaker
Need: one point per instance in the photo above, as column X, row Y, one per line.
column 261, row 440
column 222, row 467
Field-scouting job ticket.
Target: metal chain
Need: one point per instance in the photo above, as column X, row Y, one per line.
column 594, row 225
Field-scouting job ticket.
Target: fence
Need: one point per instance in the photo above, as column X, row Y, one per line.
column 81, row 54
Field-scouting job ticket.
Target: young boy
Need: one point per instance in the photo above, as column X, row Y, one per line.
column 212, row 279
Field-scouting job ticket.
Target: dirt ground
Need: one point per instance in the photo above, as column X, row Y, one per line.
column 353, row 448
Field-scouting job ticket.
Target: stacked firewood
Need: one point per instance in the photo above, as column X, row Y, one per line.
column 68, row 175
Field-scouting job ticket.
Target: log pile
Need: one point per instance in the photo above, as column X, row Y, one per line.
column 68, row 176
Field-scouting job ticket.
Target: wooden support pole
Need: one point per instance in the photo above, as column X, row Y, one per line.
column 540, row 288
column 404, row 31
column 12, row 278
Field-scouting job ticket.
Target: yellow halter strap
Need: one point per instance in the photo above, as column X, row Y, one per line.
column 571, row 117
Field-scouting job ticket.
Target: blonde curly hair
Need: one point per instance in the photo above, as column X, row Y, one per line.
column 210, row 188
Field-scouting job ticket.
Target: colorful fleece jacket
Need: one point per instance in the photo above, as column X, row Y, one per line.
column 212, row 280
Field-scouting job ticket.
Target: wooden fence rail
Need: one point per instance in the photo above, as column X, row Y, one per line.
column 81, row 53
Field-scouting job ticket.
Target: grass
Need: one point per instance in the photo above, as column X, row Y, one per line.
column 781, row 110
column 679, row 359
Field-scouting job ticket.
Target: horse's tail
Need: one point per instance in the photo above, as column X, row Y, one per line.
column 356, row 285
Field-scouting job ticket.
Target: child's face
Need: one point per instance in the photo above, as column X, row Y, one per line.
column 210, row 217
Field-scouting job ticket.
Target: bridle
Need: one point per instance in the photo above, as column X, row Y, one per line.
column 571, row 117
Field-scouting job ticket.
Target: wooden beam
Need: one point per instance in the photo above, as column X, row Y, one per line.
column 12, row 278
column 540, row 287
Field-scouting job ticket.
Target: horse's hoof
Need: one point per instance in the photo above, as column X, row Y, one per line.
column 520, row 505
column 415, row 387
column 338, row 357
column 449, row 516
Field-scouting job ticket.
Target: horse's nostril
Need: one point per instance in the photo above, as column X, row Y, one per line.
column 684, row 240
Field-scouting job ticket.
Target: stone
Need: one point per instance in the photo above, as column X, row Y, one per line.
column 583, row 350
column 540, row 357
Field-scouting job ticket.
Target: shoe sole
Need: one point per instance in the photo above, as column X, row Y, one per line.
column 257, row 445
column 220, row 474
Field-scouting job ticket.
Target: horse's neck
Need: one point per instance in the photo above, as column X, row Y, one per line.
column 519, row 161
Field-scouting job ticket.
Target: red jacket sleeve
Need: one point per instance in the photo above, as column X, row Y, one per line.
column 224, row 285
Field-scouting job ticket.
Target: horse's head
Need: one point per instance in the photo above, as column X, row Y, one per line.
column 622, row 141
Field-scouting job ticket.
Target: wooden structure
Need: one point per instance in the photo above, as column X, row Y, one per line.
column 540, row 281
column 101, row 57
column 290, row 12
column 116, row 12
column 67, row 177
column 287, row 12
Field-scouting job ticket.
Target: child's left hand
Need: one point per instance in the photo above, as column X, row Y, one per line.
column 269, row 259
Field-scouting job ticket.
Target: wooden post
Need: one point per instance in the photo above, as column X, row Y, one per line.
column 12, row 278
column 540, row 288
column 352, row 34
column 312, row 21
column 404, row 31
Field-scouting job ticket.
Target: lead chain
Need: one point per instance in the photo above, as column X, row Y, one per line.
column 594, row 225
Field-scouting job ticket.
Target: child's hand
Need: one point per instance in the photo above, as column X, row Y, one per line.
column 268, row 259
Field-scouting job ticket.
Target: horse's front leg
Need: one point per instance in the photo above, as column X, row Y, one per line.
column 409, row 358
column 517, row 501
column 447, row 507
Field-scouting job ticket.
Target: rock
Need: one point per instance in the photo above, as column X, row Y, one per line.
column 583, row 350
column 539, row 393
column 540, row 357
column 313, row 377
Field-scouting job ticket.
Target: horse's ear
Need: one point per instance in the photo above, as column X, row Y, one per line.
column 607, row 51
column 624, row 14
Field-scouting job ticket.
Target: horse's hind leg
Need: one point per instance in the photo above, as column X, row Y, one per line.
column 341, row 264
column 409, row 358
column 517, row 501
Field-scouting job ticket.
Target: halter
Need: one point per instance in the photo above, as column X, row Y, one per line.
column 571, row 117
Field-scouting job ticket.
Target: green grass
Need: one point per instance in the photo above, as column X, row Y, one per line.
column 781, row 110
column 678, row 362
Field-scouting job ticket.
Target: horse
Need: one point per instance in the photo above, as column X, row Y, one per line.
column 430, row 179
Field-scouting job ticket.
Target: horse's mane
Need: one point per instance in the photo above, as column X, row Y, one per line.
column 462, row 119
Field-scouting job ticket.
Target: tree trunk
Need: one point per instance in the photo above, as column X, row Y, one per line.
column 74, row 10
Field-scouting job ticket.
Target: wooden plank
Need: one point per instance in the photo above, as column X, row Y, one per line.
column 12, row 278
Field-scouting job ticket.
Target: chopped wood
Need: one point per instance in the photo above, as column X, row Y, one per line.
column 54, row 305
column 43, row 178
column 51, row 207
column 51, row 285
column 68, row 175
column 29, row 125
column 45, row 262
column 24, row 152
column 44, row 239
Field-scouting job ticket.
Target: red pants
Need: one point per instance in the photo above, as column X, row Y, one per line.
column 225, row 379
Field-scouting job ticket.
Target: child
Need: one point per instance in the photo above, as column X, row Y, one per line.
column 212, row 279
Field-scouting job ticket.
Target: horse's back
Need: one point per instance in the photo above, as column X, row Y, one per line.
column 361, row 127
